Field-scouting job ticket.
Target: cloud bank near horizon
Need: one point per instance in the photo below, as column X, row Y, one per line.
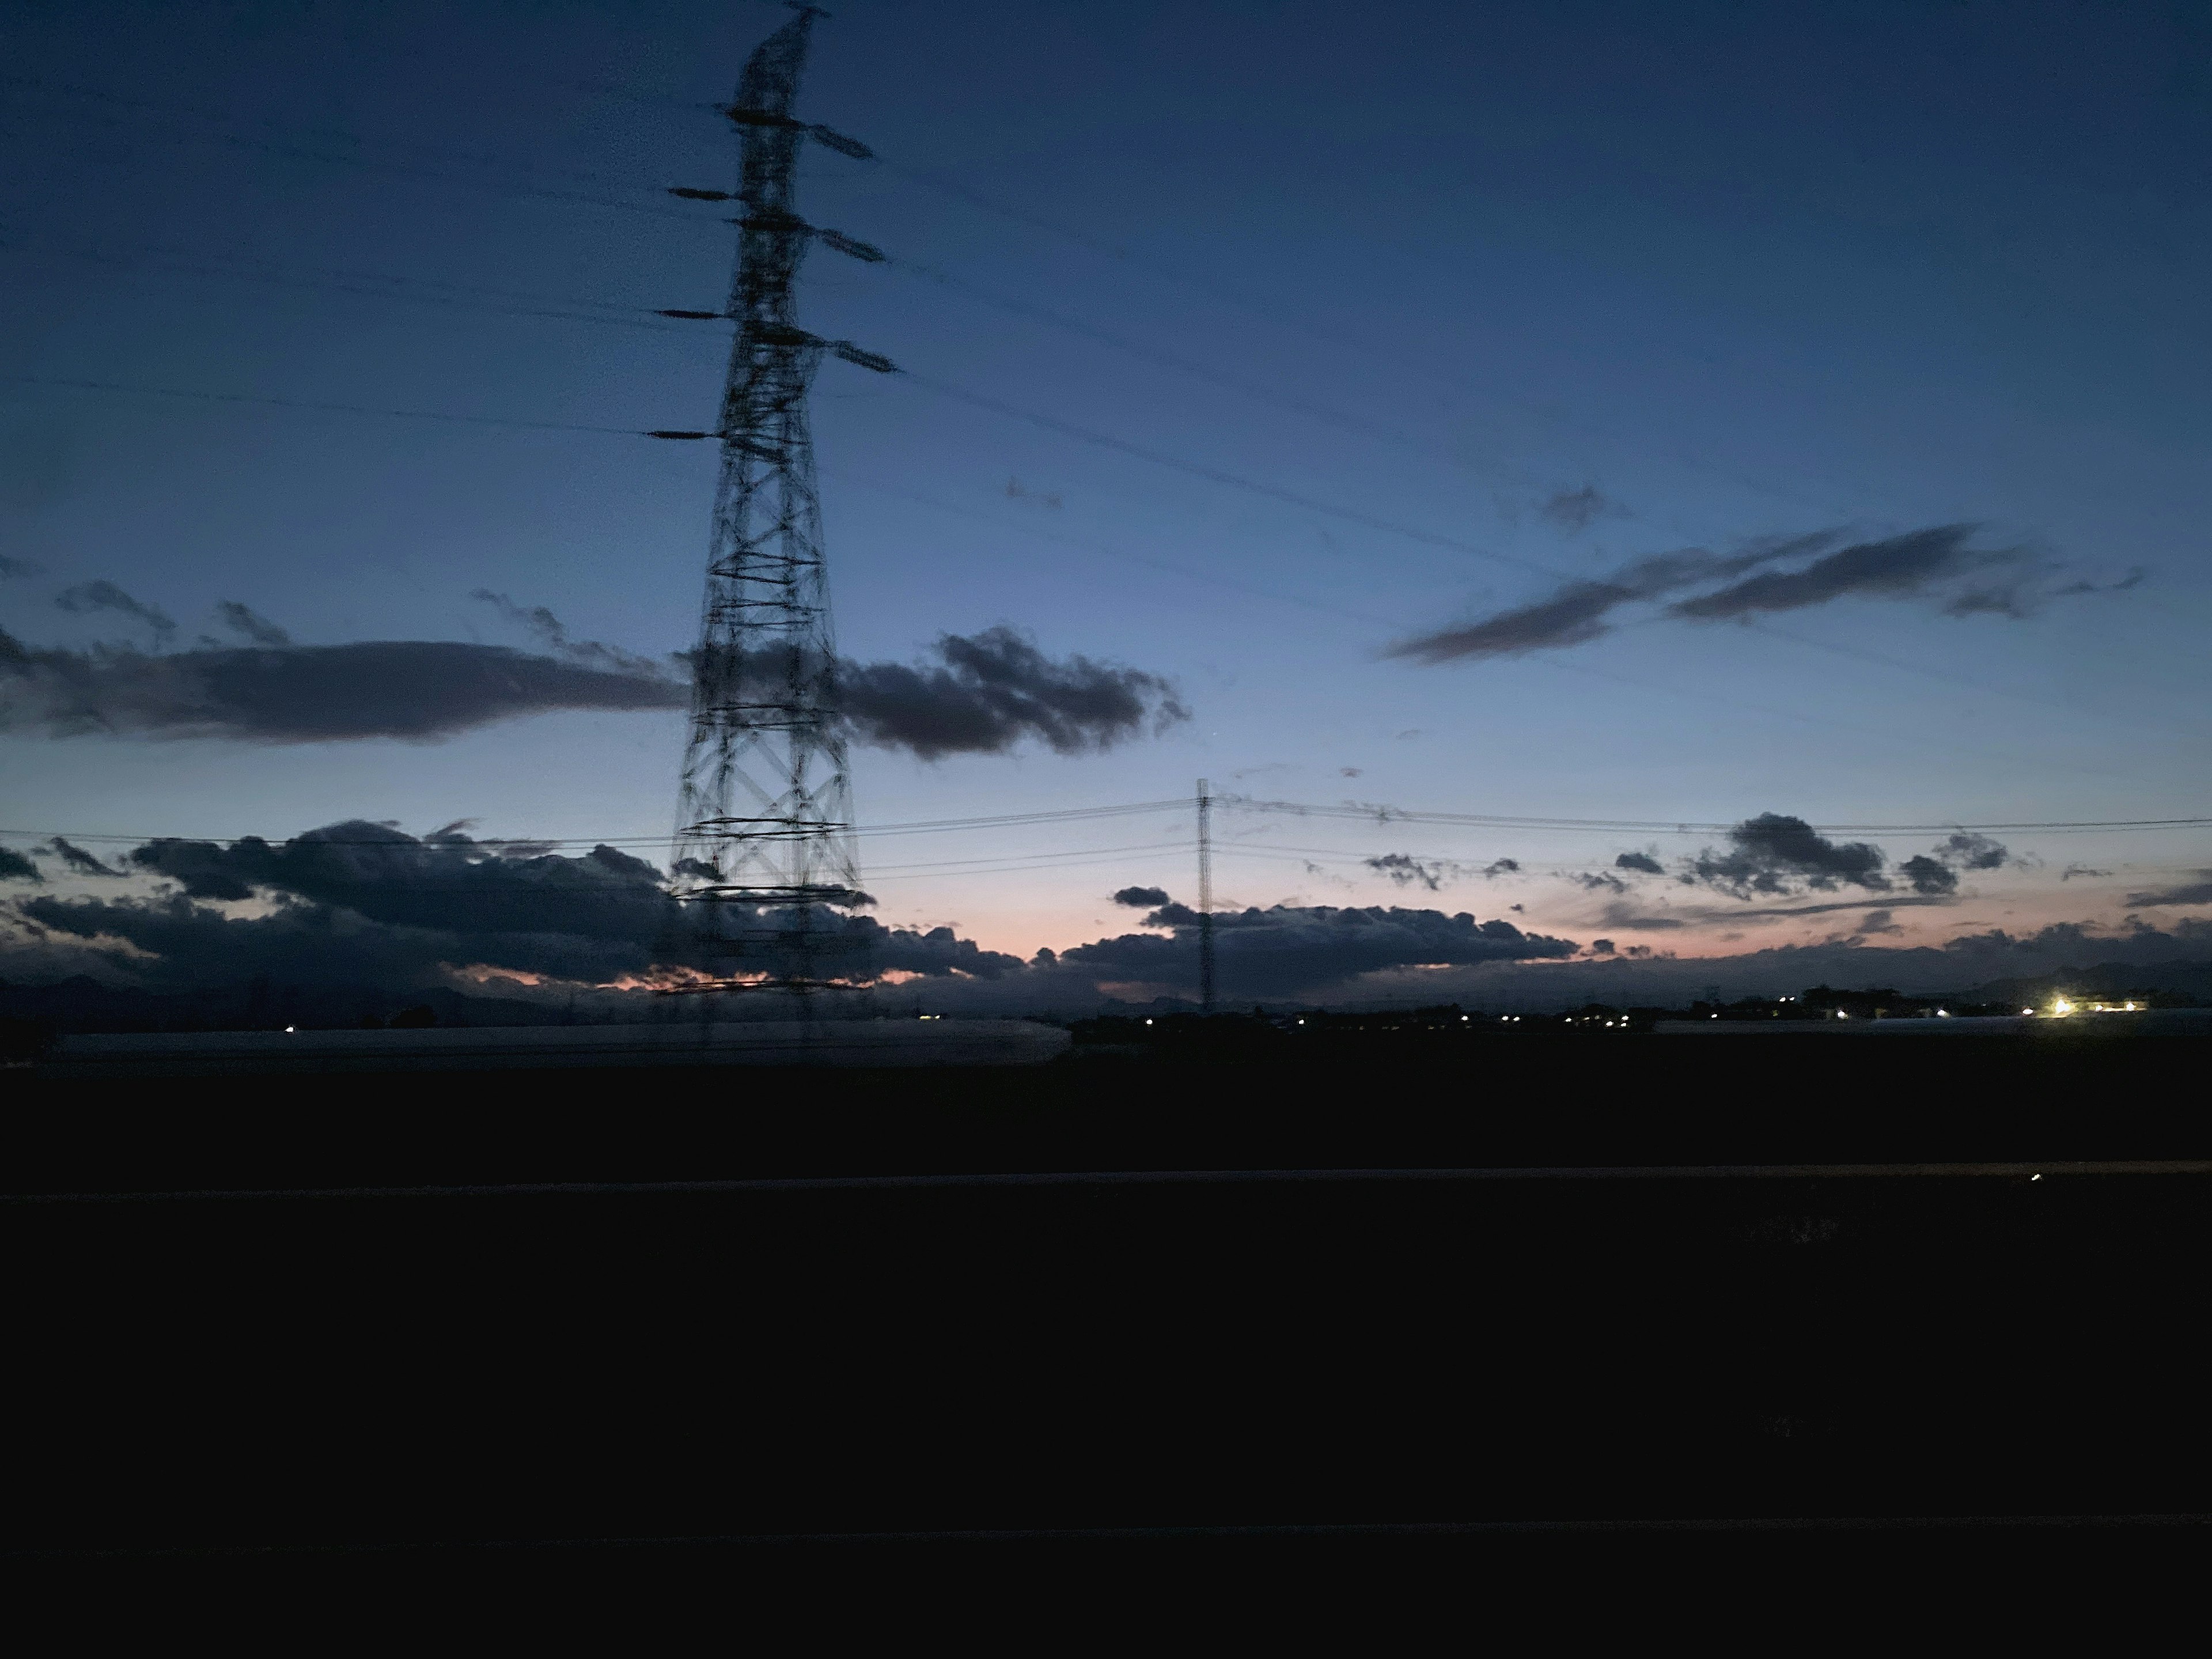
column 358, row 904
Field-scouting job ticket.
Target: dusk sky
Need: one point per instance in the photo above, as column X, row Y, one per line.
column 1672, row 414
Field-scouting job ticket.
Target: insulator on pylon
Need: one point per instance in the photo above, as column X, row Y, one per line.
column 779, row 334
column 689, row 195
column 758, row 117
column 852, row 245
column 852, row 354
column 841, row 144
column 679, row 434
column 697, row 316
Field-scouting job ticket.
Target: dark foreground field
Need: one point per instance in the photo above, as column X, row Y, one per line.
column 1480, row 1300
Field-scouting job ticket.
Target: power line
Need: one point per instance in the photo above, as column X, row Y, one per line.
column 1241, row 303
column 326, row 408
column 491, row 300
column 1220, row 476
column 923, row 176
column 335, row 135
column 919, row 826
column 1381, row 815
column 506, row 302
column 294, row 152
column 1181, row 365
column 1029, row 860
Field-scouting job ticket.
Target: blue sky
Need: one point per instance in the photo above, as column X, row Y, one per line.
column 1742, row 271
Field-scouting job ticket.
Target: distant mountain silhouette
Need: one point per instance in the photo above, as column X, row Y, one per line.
column 2184, row 982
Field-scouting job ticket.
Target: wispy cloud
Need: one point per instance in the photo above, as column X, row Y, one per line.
column 1579, row 610
column 1940, row 566
column 1573, row 510
column 79, row 861
column 2189, row 892
column 1939, row 562
column 1407, row 870
column 249, row 625
column 93, row 596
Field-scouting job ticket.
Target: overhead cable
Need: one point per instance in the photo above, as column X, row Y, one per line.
column 1381, row 814
column 328, row 408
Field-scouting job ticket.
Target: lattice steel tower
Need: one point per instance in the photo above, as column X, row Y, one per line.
column 764, row 852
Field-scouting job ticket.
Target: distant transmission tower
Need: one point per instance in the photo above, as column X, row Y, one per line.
column 763, row 850
column 1205, row 897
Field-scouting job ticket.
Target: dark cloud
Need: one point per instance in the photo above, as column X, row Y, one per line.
column 1916, row 564
column 88, row 597
column 2074, row 870
column 441, row 880
column 987, row 693
column 1577, row 611
column 254, row 629
column 79, row 861
column 1599, row 881
column 1777, row 854
column 2192, row 892
column 983, row 694
column 1291, row 949
column 1833, row 906
column 416, row 690
column 18, row 567
column 363, row 904
column 1502, row 867
column 1573, row 509
column 1972, row 852
column 1929, row 878
column 14, row 866
column 1143, row 898
column 1642, row 862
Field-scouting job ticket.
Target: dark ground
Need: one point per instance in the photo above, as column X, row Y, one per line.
column 1524, row 1299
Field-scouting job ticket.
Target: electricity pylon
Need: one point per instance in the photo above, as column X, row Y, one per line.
column 764, row 855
